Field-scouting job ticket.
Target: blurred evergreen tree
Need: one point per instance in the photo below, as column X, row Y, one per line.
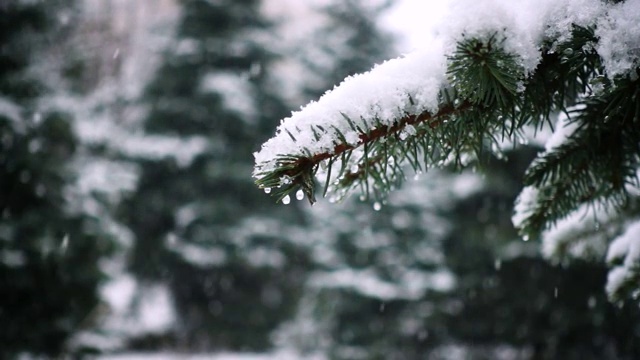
column 200, row 225
column 49, row 250
column 349, row 39
column 512, row 301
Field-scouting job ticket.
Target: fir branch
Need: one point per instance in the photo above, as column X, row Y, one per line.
column 293, row 168
column 595, row 164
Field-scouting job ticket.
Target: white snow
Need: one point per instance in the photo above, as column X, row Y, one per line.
column 10, row 110
column 619, row 34
column 414, row 20
column 138, row 308
column 528, row 198
column 624, row 256
column 204, row 256
column 133, row 143
column 524, row 205
column 583, row 234
column 133, row 309
column 111, row 178
column 382, row 93
column 12, row 258
column 411, row 285
column 262, row 256
column 525, row 23
column 561, row 132
column 235, row 89
column 275, row 355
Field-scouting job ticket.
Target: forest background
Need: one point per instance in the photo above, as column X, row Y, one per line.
column 131, row 226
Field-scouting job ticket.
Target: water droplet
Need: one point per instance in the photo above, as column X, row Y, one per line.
column 286, row 200
column 299, row 194
column 497, row 264
column 285, row 180
column 555, row 292
column 267, row 190
column 377, row 206
column 363, row 197
column 354, row 168
column 65, row 243
column 525, row 238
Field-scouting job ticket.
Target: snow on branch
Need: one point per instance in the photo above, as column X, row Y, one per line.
column 443, row 103
column 624, row 256
column 372, row 100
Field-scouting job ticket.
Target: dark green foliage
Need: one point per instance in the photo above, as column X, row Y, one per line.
column 566, row 71
column 235, row 306
column 509, row 294
column 596, row 163
column 20, row 25
column 234, row 303
column 48, row 256
column 484, row 74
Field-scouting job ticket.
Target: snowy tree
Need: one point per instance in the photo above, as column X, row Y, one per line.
column 347, row 41
column 49, row 248
column 495, row 73
column 201, row 229
column 509, row 302
column 99, row 69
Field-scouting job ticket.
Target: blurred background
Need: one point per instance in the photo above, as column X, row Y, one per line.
column 131, row 229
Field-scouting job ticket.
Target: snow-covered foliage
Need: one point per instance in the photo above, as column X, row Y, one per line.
column 624, row 256
column 592, row 232
column 384, row 94
column 391, row 98
column 132, row 309
column 106, row 112
column 411, row 84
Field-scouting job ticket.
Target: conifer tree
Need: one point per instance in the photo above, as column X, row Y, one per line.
column 510, row 300
column 347, row 43
column 49, row 250
column 495, row 73
column 200, row 225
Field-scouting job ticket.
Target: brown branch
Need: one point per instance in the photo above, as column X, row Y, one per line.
column 433, row 119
